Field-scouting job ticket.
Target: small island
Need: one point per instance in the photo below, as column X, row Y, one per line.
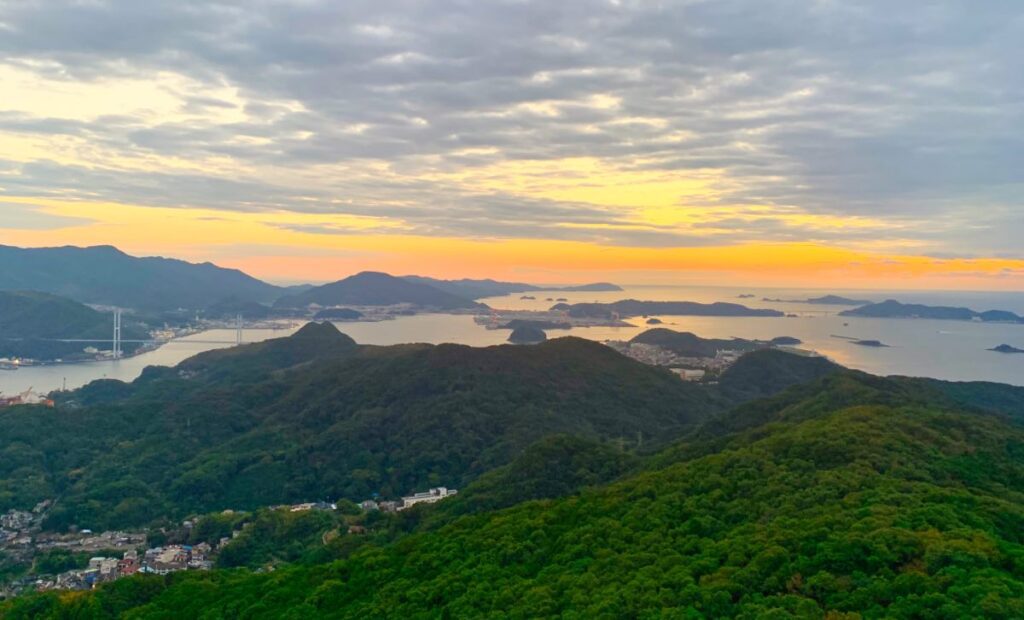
column 527, row 334
column 338, row 314
column 827, row 300
column 785, row 341
column 653, row 321
column 1005, row 348
column 870, row 343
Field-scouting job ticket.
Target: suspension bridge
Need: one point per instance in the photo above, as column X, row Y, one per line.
column 118, row 341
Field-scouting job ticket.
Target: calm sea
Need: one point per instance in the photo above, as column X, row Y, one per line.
column 949, row 350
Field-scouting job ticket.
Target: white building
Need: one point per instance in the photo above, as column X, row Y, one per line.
column 428, row 497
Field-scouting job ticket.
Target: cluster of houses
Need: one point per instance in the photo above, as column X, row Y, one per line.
column 687, row 368
column 102, row 569
column 21, row 538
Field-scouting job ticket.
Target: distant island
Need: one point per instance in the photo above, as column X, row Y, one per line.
column 1005, row 348
column 633, row 307
column 596, row 287
column 892, row 309
column 338, row 314
column 870, row 343
column 746, row 296
column 688, row 344
column 827, row 300
column 785, row 341
column 653, row 321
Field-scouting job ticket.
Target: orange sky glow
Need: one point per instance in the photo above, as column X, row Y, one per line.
column 261, row 245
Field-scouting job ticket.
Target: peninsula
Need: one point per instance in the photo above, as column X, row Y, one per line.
column 892, row 309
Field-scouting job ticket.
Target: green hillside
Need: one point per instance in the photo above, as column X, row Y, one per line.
column 30, row 323
column 315, row 416
column 905, row 506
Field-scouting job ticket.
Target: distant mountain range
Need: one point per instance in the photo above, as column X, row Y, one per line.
column 104, row 275
column 371, row 288
column 894, row 309
column 478, row 289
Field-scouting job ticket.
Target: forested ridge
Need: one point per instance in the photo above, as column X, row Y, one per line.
column 317, row 416
column 844, row 495
column 909, row 505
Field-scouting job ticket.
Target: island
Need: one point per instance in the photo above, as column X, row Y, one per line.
column 633, row 307
column 594, row 287
column 827, row 300
column 1005, row 348
column 785, row 341
column 653, row 321
column 338, row 314
column 870, row 343
column 746, row 296
column 527, row 334
column 892, row 309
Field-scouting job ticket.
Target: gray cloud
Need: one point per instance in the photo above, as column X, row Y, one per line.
column 901, row 112
column 29, row 217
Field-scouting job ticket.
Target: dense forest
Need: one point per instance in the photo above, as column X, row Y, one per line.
column 316, row 416
column 849, row 496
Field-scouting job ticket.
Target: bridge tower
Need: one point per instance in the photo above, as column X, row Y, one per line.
column 117, row 334
column 238, row 329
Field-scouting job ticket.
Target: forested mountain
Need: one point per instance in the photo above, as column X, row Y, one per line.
column 371, row 288
column 853, row 496
column 474, row 289
column 893, row 309
column 104, row 275
column 316, row 415
column 31, row 322
column 688, row 344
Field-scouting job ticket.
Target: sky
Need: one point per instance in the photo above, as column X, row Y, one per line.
column 873, row 144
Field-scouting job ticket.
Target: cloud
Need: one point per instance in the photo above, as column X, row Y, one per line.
column 29, row 217
column 896, row 112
